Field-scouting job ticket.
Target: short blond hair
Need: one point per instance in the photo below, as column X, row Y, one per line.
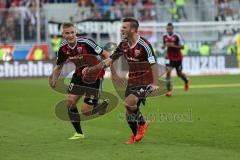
column 67, row 25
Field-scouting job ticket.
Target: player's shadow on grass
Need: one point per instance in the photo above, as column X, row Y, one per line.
column 61, row 109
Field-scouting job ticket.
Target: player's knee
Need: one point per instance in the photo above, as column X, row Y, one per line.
column 72, row 102
column 168, row 74
column 129, row 103
column 179, row 73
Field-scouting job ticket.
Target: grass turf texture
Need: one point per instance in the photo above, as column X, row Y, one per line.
column 30, row 130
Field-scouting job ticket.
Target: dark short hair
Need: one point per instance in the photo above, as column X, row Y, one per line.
column 133, row 22
column 67, row 25
column 170, row 24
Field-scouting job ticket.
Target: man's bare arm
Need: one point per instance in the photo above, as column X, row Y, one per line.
column 56, row 73
column 174, row 46
column 154, row 68
column 105, row 54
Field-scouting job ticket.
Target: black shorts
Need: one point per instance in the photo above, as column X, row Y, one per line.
column 90, row 90
column 139, row 91
column 175, row 64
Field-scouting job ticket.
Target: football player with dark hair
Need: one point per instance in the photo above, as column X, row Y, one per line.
column 173, row 43
column 142, row 77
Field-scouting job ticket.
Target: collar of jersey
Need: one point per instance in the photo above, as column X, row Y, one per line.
column 171, row 35
column 73, row 46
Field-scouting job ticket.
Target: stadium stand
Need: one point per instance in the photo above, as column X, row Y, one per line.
column 18, row 18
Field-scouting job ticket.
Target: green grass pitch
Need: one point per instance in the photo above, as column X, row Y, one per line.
column 201, row 124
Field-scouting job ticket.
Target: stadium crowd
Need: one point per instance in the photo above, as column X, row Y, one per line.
column 18, row 14
column 13, row 15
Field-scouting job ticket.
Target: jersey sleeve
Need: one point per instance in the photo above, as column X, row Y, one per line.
column 149, row 52
column 180, row 40
column 60, row 57
column 151, row 55
column 92, row 47
column 164, row 42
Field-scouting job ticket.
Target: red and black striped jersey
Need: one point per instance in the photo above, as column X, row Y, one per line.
column 85, row 53
column 173, row 54
column 140, row 57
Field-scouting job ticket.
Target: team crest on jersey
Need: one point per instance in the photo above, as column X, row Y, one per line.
column 79, row 49
column 67, row 53
column 137, row 53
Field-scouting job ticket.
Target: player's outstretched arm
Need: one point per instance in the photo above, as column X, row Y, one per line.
column 108, row 60
column 105, row 54
column 56, row 73
column 96, row 68
column 123, row 46
column 113, row 57
column 155, row 74
column 170, row 45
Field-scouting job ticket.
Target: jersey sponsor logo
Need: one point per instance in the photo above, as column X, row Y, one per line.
column 133, row 59
column 76, row 57
column 18, row 69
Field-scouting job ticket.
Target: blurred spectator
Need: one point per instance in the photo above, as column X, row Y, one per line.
column 231, row 49
column 180, row 9
column 6, row 53
column 6, row 35
column 238, row 48
column 1, row 54
column 185, row 50
column 38, row 54
column 173, row 11
column 148, row 10
column 60, row 1
column 15, row 13
column 223, row 10
column 16, row 2
column 105, row 6
column 2, row 4
column 56, row 42
column 204, row 49
column 128, row 9
column 83, row 11
column 115, row 12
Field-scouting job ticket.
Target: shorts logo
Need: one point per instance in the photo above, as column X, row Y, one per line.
column 141, row 91
column 92, row 97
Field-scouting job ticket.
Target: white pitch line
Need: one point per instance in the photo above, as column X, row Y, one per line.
column 210, row 86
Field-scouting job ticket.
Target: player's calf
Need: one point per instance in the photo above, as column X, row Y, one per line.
column 185, row 79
